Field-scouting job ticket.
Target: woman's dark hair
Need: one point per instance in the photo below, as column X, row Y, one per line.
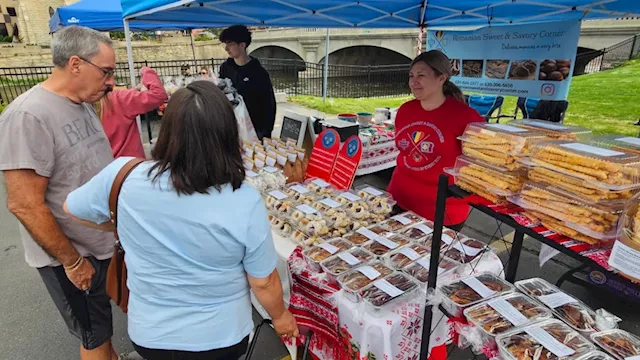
column 198, row 141
column 440, row 64
column 237, row 34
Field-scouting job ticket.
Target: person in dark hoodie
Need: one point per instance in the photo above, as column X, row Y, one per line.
column 250, row 79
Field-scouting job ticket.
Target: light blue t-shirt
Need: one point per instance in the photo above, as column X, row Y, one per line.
column 187, row 256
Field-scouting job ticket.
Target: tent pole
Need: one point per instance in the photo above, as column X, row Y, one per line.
column 132, row 70
column 193, row 48
column 325, row 72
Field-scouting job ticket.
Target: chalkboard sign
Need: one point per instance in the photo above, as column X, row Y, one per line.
column 294, row 127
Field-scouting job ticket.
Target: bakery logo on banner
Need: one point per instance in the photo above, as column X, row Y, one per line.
column 328, row 140
column 352, row 147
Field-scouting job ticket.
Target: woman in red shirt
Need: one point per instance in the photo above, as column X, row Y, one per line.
column 427, row 129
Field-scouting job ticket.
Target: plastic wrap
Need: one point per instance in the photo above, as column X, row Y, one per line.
column 346, row 261
column 404, row 256
column 356, row 280
column 619, row 343
column 385, row 244
column 472, row 290
column 383, row 293
column 568, row 309
column 546, row 340
column 553, row 130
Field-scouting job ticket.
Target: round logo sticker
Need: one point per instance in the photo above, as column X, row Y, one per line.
column 352, row 147
column 598, row 277
column 328, row 140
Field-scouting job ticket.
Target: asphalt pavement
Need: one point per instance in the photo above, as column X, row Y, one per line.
column 32, row 329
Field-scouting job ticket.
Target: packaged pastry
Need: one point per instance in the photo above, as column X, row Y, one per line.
column 595, row 355
column 383, row 292
column 628, row 244
column 398, row 259
column 361, row 236
column 280, row 226
column 448, row 237
column 325, row 250
column 568, row 309
column 401, row 221
column 559, row 227
column 548, row 339
column 309, row 220
column 628, row 144
column 274, row 178
column 504, row 313
column 380, row 202
column 354, row 281
column 621, row 344
column 553, row 130
column 326, row 204
column 305, row 240
column 488, row 181
column 472, row 290
column 420, row 232
column 346, row 261
column 385, row 244
column 605, row 168
column 340, row 223
column 598, row 221
column 419, row 270
column 273, row 197
column 321, row 187
column 465, row 250
column 300, row 193
column 354, row 204
column 498, row 144
column 284, row 207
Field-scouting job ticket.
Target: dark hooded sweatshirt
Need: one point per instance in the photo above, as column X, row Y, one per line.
column 253, row 83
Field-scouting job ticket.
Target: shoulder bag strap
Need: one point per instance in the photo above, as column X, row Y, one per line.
column 115, row 190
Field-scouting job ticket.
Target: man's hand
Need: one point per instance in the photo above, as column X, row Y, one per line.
column 82, row 276
column 286, row 325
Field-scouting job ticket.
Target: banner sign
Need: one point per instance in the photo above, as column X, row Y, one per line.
column 531, row 60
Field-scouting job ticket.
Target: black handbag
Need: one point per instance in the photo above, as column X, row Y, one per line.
column 252, row 346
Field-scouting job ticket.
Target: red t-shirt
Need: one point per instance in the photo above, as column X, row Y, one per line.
column 428, row 143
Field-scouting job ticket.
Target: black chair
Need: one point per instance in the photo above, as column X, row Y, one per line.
column 486, row 105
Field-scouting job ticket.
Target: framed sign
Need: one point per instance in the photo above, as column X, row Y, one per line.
column 293, row 127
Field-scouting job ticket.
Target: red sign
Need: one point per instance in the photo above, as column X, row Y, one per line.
column 323, row 156
column 344, row 169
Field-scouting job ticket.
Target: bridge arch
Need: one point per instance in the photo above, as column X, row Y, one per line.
column 366, row 55
column 275, row 52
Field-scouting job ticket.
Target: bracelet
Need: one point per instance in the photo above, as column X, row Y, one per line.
column 75, row 264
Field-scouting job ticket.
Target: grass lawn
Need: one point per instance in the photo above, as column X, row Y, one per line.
column 607, row 102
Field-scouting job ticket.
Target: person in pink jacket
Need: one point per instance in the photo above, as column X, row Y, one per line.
column 119, row 108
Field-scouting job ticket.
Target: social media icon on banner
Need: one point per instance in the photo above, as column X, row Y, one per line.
column 548, row 89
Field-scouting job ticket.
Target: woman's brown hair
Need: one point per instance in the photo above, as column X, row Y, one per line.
column 441, row 65
column 198, row 141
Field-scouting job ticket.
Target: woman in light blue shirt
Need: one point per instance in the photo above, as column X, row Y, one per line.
column 196, row 237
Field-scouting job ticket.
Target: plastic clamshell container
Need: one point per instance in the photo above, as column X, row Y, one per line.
column 300, row 193
column 520, row 344
column 466, row 250
column 404, row 256
column 385, row 244
column 595, row 355
column 321, row 187
column 620, row 344
column 356, row 206
column 554, row 130
column 401, row 221
column 358, row 238
column 460, row 294
column 326, row 204
column 419, row 269
column 303, row 239
column 492, row 322
column 380, row 202
column 280, row 226
column 448, row 237
column 354, row 281
column 341, row 263
column 383, row 293
column 495, row 179
column 316, row 254
column 283, row 207
column 629, row 144
column 419, row 232
column 310, row 221
column 598, row 221
column 605, row 168
column 576, row 314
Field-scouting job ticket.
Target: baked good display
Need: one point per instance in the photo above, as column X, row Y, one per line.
column 404, row 256
column 357, row 207
column 486, row 180
column 309, row 221
column 300, row 193
column 598, row 221
column 354, row 281
column 568, row 309
column 380, row 202
column 326, row 249
column 619, row 343
column 346, row 261
column 545, row 340
column 419, row 269
column 559, row 227
column 498, row 144
column 472, row 290
column 553, row 130
column 303, row 239
column 385, row 244
column 384, row 291
column 420, row 232
column 321, row 187
column 502, row 314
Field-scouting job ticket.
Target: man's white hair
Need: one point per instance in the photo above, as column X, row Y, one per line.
column 76, row 41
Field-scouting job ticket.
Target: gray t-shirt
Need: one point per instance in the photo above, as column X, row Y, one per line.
column 65, row 142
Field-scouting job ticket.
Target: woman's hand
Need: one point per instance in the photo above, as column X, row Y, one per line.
column 286, row 325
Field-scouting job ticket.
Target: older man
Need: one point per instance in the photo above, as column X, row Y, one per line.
column 52, row 142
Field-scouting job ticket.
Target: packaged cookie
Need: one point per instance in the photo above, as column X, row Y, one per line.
column 283, row 207
column 472, row 290
column 300, row 193
column 273, row 197
column 361, row 236
column 305, row 240
column 598, row 221
column 608, row 169
column 548, row 339
column 340, row 223
column 622, row 143
column 553, row 130
column 325, row 250
column 354, row 204
column 274, row 178
column 628, row 244
column 401, row 221
column 326, row 204
column 385, row 244
column 498, row 144
column 354, row 281
column 321, row 187
column 419, row 269
column 383, row 293
column 486, row 180
column 380, row 202
column 619, row 343
column 280, row 226
column 346, row 261
column 568, row 309
column 559, row 227
column 420, row 232
column 309, row 220
column 397, row 259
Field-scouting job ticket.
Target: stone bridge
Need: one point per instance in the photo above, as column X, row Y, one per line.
column 396, row 46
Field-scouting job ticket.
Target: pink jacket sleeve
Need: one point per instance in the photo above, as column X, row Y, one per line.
column 134, row 102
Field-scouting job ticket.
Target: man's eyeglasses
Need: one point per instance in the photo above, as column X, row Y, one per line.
column 108, row 73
